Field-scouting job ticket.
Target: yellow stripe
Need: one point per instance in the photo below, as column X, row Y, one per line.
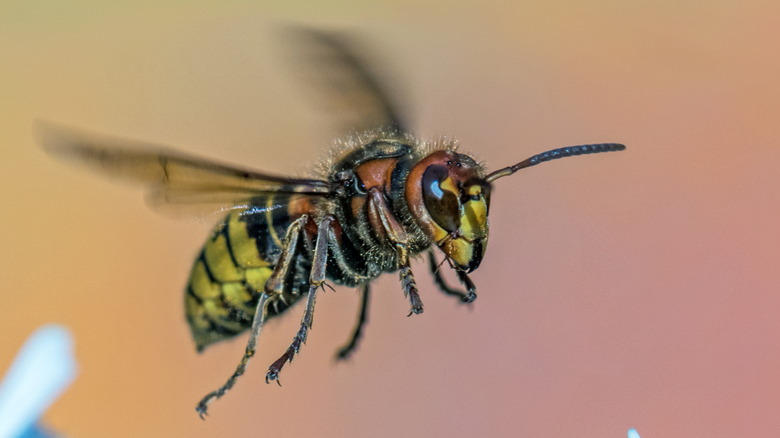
column 220, row 263
column 244, row 247
column 473, row 220
column 270, row 220
column 195, row 312
column 219, row 315
column 257, row 278
column 201, row 284
column 236, row 295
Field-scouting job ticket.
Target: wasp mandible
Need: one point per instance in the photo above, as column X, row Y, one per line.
column 380, row 198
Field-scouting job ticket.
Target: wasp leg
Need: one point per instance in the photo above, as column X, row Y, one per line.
column 316, row 280
column 339, row 258
column 444, row 287
column 348, row 349
column 395, row 232
column 278, row 276
column 470, row 287
column 257, row 325
column 276, row 282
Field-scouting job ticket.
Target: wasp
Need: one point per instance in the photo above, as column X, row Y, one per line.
column 380, row 198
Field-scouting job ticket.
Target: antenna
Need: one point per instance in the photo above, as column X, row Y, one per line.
column 553, row 155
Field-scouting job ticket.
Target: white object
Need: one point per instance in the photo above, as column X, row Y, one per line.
column 43, row 368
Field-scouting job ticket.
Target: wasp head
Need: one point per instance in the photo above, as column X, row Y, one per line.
column 449, row 198
column 449, row 194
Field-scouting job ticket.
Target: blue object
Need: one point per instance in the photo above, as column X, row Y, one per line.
column 43, row 368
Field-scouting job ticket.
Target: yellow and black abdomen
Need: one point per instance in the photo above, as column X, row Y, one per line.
column 230, row 272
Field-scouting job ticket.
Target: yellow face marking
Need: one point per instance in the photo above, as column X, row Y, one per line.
column 459, row 250
column 439, row 233
column 449, row 185
column 473, row 219
column 473, row 229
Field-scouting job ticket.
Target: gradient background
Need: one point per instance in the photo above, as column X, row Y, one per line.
column 637, row 289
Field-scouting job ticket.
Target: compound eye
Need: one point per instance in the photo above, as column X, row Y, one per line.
column 359, row 187
column 440, row 197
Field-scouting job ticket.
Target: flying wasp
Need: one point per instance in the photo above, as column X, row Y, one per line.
column 380, row 198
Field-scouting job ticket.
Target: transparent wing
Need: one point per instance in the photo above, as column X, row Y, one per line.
column 176, row 183
column 330, row 65
column 211, row 206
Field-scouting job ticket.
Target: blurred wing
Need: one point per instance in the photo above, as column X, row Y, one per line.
column 176, row 183
column 341, row 82
column 207, row 205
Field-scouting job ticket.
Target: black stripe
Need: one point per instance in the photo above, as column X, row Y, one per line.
column 398, row 183
column 202, row 257
column 214, row 327
column 255, row 294
column 280, row 220
column 233, row 315
column 237, row 315
column 257, row 230
column 226, row 233
column 191, row 293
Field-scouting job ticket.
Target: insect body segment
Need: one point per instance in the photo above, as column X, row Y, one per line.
column 231, row 271
column 449, row 198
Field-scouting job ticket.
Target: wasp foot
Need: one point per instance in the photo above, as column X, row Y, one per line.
column 470, row 297
column 292, row 350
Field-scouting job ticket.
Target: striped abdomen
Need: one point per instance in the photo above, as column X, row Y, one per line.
column 230, row 272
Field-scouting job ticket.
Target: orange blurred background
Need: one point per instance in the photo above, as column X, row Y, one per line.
column 636, row 289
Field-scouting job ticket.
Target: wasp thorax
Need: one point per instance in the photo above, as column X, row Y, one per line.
column 449, row 198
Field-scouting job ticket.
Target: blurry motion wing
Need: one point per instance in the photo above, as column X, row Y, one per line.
column 329, row 64
column 176, row 183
